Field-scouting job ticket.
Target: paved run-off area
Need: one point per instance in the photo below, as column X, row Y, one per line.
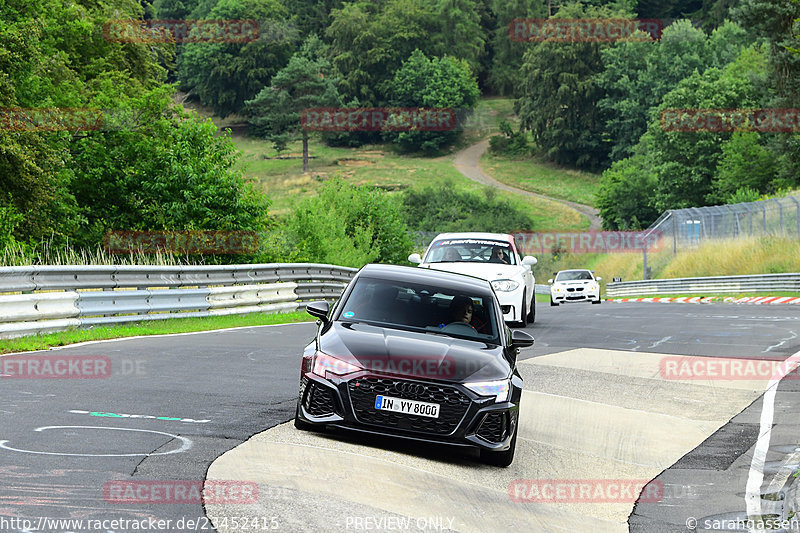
column 587, row 415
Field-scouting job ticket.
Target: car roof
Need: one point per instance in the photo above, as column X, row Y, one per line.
column 503, row 237
column 449, row 280
column 575, row 270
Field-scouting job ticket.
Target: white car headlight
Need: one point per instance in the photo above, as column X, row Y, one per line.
column 501, row 390
column 558, row 288
column 505, row 285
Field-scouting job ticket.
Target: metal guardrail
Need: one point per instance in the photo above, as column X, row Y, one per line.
column 55, row 298
column 707, row 285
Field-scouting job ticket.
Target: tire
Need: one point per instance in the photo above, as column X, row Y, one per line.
column 523, row 313
column 552, row 303
column 532, row 312
column 502, row 459
column 597, row 301
column 301, row 424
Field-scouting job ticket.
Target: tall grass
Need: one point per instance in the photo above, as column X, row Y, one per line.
column 47, row 253
column 765, row 255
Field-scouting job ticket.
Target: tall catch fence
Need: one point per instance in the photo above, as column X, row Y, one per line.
column 686, row 228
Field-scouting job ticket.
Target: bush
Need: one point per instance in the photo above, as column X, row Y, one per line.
column 443, row 208
column 511, row 143
column 344, row 225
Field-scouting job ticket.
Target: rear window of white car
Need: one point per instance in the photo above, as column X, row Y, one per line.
column 470, row 250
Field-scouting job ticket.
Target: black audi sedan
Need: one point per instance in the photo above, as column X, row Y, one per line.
column 415, row 354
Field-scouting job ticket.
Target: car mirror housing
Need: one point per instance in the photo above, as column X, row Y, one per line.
column 415, row 258
column 550, row 281
column 598, row 278
column 521, row 339
column 529, row 260
column 319, row 310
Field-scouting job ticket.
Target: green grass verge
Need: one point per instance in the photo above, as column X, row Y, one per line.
column 531, row 174
column 284, row 183
column 153, row 327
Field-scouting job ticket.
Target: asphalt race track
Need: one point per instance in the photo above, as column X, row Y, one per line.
column 600, row 407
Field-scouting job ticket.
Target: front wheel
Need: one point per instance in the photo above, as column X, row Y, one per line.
column 597, row 301
column 523, row 313
column 552, row 303
column 532, row 312
column 501, row 458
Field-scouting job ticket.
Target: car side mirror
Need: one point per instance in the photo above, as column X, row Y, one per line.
column 529, row 260
column 550, row 281
column 415, row 258
column 598, row 278
column 520, row 339
column 320, row 310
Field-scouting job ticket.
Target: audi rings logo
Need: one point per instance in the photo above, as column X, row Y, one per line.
column 414, row 389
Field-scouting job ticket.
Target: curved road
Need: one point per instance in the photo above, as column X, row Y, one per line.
column 467, row 161
column 216, row 404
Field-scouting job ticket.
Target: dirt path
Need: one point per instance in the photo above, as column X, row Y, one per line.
column 467, row 162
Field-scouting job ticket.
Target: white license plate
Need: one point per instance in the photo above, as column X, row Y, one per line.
column 408, row 407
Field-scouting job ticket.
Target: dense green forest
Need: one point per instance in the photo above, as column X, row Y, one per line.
column 596, row 106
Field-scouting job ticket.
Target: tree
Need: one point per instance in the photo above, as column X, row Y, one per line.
column 165, row 170
column 275, row 112
column 370, row 41
column 625, row 197
column 685, row 162
column 637, row 75
column 775, row 21
column 432, row 83
column 744, row 163
column 507, row 53
column 223, row 75
column 461, row 34
column 559, row 95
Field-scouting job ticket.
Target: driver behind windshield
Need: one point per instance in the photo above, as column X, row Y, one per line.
column 498, row 256
column 461, row 309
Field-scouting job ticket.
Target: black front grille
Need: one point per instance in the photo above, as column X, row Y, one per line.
column 452, row 404
column 494, row 427
column 319, row 401
column 578, row 289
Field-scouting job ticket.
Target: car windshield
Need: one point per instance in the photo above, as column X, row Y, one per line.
column 574, row 275
column 470, row 250
column 418, row 307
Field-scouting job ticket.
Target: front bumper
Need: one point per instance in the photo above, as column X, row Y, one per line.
column 575, row 294
column 465, row 419
column 510, row 304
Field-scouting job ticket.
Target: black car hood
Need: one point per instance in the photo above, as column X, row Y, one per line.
column 413, row 354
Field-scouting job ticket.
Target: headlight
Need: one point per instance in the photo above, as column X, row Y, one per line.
column 558, row 289
column 324, row 363
column 505, row 285
column 499, row 389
